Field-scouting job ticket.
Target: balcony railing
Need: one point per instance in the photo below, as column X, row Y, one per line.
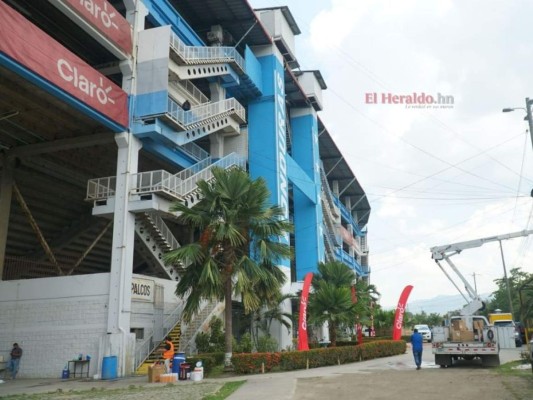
column 348, row 216
column 200, row 113
column 177, row 186
column 206, row 55
column 101, row 188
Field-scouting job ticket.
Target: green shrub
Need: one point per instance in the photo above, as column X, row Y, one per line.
column 266, row 344
column 250, row 363
column 244, row 345
column 292, row 360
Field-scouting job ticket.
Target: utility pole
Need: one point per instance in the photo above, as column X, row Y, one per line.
column 507, row 281
column 529, row 117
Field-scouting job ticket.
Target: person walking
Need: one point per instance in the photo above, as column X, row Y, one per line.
column 16, row 354
column 168, row 353
column 417, row 342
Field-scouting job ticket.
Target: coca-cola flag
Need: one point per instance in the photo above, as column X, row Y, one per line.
column 400, row 310
column 303, row 343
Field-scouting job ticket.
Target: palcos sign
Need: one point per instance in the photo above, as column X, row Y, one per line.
column 142, row 290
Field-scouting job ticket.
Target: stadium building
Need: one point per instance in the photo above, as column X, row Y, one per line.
column 110, row 111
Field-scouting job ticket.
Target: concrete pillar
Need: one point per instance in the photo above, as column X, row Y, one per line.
column 308, row 218
column 118, row 341
column 6, row 191
column 267, row 120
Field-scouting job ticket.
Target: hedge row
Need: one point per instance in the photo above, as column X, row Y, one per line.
column 247, row 363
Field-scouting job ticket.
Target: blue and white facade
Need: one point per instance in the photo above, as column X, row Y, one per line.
column 204, row 88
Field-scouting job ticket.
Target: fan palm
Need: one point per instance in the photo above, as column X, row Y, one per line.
column 238, row 248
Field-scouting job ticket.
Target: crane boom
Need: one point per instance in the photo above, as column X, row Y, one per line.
column 439, row 253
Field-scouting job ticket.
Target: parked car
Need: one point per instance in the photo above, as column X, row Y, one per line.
column 521, row 330
column 424, row 331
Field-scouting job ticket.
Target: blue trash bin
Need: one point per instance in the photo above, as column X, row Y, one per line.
column 109, row 367
column 176, row 361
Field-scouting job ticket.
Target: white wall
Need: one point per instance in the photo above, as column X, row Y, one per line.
column 53, row 320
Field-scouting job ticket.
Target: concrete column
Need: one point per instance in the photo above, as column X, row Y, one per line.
column 119, row 339
column 6, row 191
column 308, row 218
column 267, row 120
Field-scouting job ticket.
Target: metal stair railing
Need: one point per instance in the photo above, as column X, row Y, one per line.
column 163, row 230
column 147, row 347
column 201, row 114
column 327, row 191
column 163, row 181
column 195, row 151
column 193, row 90
column 194, row 169
column 190, row 331
column 330, row 223
column 188, row 185
column 194, row 55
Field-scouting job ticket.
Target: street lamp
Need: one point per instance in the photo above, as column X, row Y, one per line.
column 528, row 117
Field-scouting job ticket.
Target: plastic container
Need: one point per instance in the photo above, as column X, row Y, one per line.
column 65, row 374
column 109, row 367
column 179, row 358
column 185, row 370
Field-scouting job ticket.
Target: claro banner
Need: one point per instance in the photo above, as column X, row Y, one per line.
column 400, row 310
column 32, row 48
column 303, row 342
column 104, row 18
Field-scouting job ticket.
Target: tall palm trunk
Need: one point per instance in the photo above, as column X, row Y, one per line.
column 333, row 334
column 228, row 323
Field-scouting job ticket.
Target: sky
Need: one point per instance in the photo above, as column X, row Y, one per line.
column 433, row 174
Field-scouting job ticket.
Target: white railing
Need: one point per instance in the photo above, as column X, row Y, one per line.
column 327, row 191
column 189, row 185
column 195, row 151
column 204, row 55
column 154, row 181
column 165, row 233
column 143, row 351
column 196, row 93
column 164, row 181
column 193, row 170
column 101, row 188
column 203, row 112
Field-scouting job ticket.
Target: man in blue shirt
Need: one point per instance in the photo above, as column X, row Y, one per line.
column 417, row 345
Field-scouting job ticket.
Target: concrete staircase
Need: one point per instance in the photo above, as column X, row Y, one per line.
column 175, row 336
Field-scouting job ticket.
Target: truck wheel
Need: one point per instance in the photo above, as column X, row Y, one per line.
column 490, row 361
column 443, row 360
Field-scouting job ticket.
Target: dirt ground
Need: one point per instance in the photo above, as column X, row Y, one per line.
column 458, row 382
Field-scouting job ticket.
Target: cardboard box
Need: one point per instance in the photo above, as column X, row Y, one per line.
column 154, row 372
column 455, row 335
column 168, row 378
column 459, row 325
column 467, row 336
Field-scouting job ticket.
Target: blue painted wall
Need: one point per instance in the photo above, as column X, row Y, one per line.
column 267, row 134
column 308, row 227
column 162, row 13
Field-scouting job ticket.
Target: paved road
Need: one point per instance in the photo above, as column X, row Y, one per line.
column 384, row 378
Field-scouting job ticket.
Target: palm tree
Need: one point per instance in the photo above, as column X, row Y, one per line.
column 331, row 298
column 270, row 311
column 238, row 247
